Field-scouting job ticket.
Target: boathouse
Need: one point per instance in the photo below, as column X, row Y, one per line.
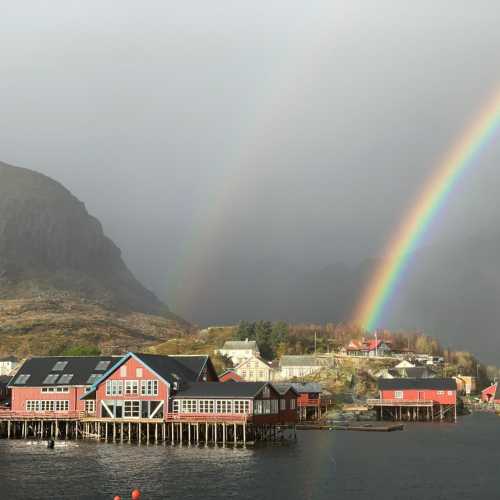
column 309, row 400
column 416, row 399
column 55, row 384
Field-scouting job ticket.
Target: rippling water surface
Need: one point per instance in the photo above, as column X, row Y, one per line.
column 426, row 461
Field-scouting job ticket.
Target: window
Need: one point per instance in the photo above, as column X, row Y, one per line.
column 440, row 393
column 283, row 404
column 257, row 407
column 274, row 406
column 90, row 406
column 131, row 387
column 266, row 407
column 123, row 371
column 175, row 406
column 132, row 409
column 102, row 365
column 266, row 392
column 59, row 366
column 138, row 372
column 450, row 393
column 398, row 394
column 114, row 388
column 51, row 379
column 293, row 404
column 149, row 387
column 55, row 389
column 22, row 379
column 44, row 406
column 93, row 378
column 65, row 378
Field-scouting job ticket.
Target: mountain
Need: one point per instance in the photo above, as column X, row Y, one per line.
column 60, row 273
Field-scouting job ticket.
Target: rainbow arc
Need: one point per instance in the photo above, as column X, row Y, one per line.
column 409, row 234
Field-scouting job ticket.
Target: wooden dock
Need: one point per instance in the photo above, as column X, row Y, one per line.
column 350, row 427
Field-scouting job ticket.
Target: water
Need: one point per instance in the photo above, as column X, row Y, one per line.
column 426, row 461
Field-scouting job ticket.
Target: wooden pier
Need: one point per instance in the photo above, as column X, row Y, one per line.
column 236, row 430
column 413, row 411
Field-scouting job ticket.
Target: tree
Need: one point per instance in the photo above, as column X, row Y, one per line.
column 263, row 330
column 246, row 330
column 81, row 350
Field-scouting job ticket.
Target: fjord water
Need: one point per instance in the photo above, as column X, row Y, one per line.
column 426, row 461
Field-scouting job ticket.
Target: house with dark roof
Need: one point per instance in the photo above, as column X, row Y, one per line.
column 55, row 384
column 163, row 388
column 416, row 398
column 141, row 385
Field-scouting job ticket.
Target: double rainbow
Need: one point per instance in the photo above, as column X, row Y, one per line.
column 383, row 283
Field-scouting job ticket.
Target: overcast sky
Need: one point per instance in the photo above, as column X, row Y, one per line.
column 266, row 131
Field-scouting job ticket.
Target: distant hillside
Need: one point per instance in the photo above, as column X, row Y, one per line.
column 61, row 279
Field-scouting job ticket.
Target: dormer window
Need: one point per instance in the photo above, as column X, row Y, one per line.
column 59, row 366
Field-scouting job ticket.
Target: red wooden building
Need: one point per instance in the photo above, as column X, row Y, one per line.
column 489, row 395
column 136, row 396
column 416, row 399
column 54, row 385
column 309, row 400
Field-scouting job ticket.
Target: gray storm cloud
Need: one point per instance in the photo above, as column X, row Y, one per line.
column 249, row 157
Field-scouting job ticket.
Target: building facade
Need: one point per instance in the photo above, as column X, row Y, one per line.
column 255, row 369
column 240, row 350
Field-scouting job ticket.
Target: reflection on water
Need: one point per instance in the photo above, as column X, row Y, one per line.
column 427, row 461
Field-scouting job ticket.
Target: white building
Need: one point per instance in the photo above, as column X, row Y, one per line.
column 8, row 365
column 255, row 369
column 240, row 350
column 299, row 366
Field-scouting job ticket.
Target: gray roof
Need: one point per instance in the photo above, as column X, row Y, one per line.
column 175, row 368
column 440, row 384
column 214, row 390
column 240, row 345
column 300, row 361
column 415, row 372
column 80, row 367
column 284, row 388
column 307, row 387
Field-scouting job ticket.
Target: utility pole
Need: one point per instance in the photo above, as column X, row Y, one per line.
column 315, row 339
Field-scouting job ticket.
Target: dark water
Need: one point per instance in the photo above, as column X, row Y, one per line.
column 426, row 461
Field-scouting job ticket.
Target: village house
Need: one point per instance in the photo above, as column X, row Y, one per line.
column 56, row 383
column 8, row 365
column 239, row 350
column 292, row 367
column 367, row 347
column 416, row 399
column 254, row 369
column 309, row 400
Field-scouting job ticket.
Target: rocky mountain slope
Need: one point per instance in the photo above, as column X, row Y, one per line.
column 62, row 280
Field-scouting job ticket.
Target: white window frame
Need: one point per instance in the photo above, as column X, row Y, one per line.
column 398, row 394
column 149, row 387
column 131, row 388
column 114, row 387
column 90, row 406
column 131, row 408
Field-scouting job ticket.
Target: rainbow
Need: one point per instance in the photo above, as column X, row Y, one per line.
column 409, row 234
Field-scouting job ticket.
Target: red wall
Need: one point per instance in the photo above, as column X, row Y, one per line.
column 22, row 394
column 425, row 394
column 132, row 364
